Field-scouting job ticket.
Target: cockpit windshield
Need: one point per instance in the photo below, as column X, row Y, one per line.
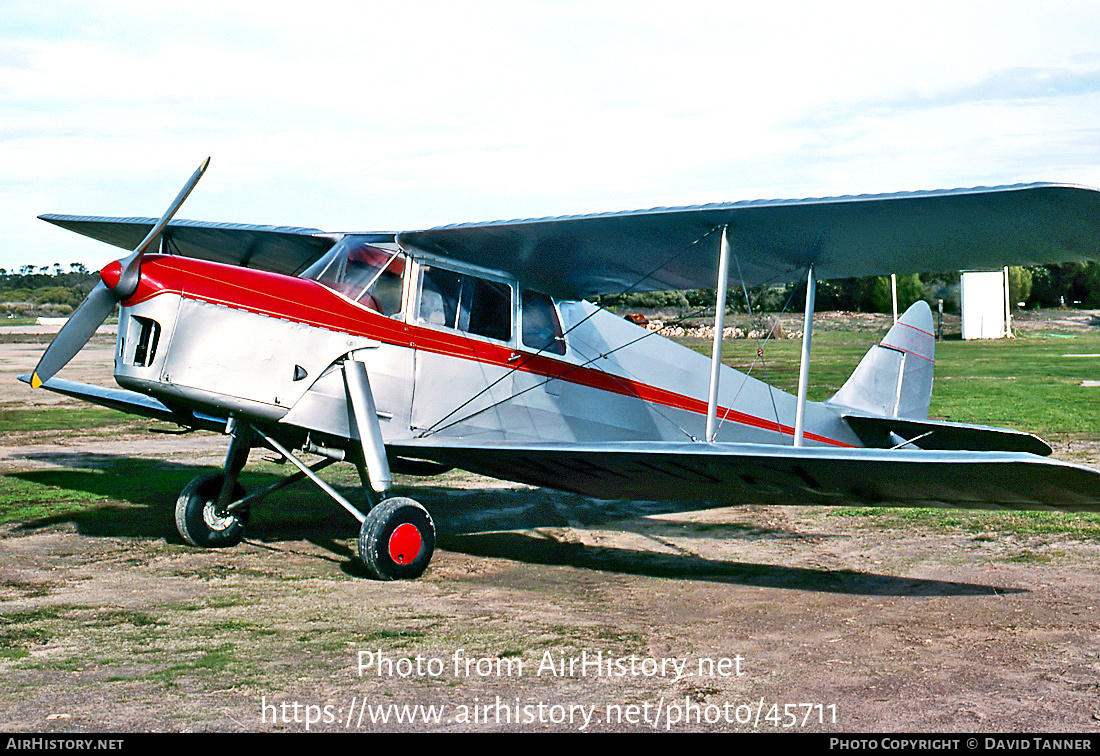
column 370, row 275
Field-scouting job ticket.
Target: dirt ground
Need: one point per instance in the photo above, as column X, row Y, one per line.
column 541, row 611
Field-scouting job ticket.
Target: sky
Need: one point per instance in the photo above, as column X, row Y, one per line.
column 365, row 116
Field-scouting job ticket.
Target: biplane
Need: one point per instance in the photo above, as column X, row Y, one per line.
column 477, row 346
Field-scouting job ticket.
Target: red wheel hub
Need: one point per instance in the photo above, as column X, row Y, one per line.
column 405, row 543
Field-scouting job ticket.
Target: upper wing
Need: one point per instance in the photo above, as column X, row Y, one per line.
column 279, row 249
column 775, row 240
column 676, row 248
column 763, row 474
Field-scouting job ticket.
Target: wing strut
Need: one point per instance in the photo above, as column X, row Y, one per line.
column 719, row 325
column 804, row 364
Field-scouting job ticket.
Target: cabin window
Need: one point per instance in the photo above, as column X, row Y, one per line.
column 466, row 303
column 364, row 273
column 541, row 326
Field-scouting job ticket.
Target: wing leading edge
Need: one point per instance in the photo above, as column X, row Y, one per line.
column 729, row 474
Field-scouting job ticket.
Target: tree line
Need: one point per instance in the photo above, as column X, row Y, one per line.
column 46, row 289
column 59, row 289
column 1066, row 284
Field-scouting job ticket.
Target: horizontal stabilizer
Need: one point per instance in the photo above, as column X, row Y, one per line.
column 888, row 432
column 728, row 474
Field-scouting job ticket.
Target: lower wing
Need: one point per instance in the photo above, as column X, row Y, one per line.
column 762, row 474
column 725, row 473
column 130, row 402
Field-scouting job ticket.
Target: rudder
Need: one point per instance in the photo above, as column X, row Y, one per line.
column 894, row 379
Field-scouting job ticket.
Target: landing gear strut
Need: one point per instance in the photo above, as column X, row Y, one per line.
column 209, row 510
column 396, row 537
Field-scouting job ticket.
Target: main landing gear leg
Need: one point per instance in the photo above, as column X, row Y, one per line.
column 397, row 537
column 205, row 512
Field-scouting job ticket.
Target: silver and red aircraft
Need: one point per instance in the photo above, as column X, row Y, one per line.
column 474, row 346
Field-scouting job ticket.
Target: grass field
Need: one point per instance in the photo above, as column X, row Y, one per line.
column 1028, row 383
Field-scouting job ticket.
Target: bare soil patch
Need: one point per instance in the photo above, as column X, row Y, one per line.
column 108, row 622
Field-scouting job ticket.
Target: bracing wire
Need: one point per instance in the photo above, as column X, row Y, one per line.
column 759, row 348
column 571, row 369
column 437, row 426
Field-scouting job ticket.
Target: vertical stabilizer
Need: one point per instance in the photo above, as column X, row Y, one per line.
column 894, row 379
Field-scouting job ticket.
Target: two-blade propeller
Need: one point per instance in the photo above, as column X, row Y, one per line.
column 119, row 281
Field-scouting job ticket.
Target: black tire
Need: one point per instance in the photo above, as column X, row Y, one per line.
column 397, row 540
column 199, row 524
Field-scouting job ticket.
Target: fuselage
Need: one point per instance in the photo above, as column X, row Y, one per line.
column 451, row 351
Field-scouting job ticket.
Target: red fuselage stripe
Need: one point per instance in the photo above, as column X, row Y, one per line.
column 311, row 303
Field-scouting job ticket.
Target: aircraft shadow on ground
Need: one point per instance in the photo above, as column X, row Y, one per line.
column 499, row 523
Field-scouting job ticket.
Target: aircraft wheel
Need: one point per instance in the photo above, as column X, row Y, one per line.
column 397, row 539
column 198, row 522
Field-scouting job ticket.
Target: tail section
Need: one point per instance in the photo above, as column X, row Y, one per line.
column 885, row 401
column 894, row 379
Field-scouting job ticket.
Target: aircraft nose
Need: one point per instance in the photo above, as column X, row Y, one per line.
column 121, row 277
column 119, row 282
column 111, row 274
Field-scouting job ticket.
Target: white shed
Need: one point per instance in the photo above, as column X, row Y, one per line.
column 986, row 311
